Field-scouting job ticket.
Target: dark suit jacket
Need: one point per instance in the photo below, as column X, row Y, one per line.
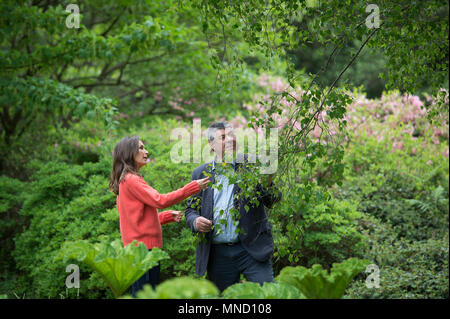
column 257, row 237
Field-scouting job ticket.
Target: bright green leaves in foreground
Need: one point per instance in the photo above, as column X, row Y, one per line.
column 292, row 283
column 122, row 266
column 118, row 266
column 180, row 288
column 300, row 282
column 316, row 282
column 270, row 290
column 190, row 288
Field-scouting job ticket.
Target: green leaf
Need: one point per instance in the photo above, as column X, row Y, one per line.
column 274, row 290
column 247, row 290
column 118, row 266
column 180, row 288
column 318, row 283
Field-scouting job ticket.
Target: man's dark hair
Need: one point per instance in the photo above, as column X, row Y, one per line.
column 216, row 126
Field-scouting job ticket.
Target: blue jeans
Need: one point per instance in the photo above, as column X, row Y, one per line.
column 150, row 277
column 226, row 263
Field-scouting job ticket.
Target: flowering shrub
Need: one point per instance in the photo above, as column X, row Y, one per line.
column 377, row 117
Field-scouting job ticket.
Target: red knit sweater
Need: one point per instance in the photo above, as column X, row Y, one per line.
column 137, row 203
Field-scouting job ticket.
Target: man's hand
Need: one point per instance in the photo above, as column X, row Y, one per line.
column 202, row 224
column 176, row 215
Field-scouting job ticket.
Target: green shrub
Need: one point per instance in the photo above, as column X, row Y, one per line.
column 11, row 224
column 311, row 227
column 63, row 202
column 408, row 192
column 407, row 269
column 403, row 196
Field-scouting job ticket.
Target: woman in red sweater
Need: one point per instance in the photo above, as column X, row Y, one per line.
column 138, row 202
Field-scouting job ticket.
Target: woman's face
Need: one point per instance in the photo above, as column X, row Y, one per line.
column 141, row 157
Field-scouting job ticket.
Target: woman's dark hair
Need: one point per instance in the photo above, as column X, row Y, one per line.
column 123, row 161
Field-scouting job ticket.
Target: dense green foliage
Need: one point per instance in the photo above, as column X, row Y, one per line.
column 397, row 171
column 63, row 203
column 318, row 229
column 417, row 269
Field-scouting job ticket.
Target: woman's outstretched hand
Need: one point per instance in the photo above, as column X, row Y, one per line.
column 176, row 214
column 203, row 183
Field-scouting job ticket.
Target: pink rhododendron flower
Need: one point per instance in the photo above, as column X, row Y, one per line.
column 415, row 100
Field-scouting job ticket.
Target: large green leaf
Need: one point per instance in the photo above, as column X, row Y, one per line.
column 276, row 290
column 247, row 290
column 318, row 283
column 269, row 290
column 119, row 266
column 180, row 288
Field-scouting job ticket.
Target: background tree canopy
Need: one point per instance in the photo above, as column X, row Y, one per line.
column 359, row 93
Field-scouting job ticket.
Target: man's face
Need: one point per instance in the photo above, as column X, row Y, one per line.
column 224, row 142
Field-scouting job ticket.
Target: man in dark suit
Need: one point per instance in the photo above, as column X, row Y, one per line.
column 227, row 254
